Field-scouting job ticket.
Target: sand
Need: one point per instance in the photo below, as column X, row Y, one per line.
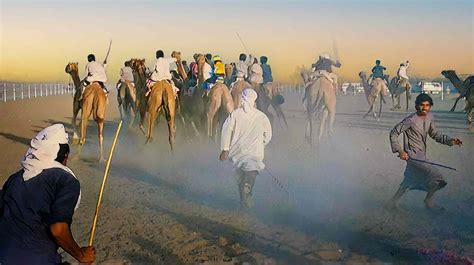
column 183, row 208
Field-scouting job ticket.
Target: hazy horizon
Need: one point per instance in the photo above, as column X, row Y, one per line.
column 40, row 37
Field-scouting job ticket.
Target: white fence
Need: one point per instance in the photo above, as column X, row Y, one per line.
column 19, row 91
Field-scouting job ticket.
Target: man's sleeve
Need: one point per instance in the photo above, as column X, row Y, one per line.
column 395, row 132
column 65, row 200
column 373, row 69
column 227, row 130
column 438, row 136
column 267, row 131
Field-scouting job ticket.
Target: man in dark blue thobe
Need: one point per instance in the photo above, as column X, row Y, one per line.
column 37, row 204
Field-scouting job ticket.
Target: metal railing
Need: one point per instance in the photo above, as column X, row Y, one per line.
column 10, row 91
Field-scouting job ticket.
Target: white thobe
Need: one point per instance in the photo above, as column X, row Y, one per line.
column 207, row 71
column 402, row 71
column 95, row 72
column 245, row 135
column 256, row 74
column 161, row 70
column 126, row 74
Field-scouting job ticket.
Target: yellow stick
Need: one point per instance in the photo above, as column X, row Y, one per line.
column 106, row 173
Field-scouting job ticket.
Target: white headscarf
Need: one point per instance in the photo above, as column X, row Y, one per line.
column 249, row 96
column 43, row 151
column 325, row 55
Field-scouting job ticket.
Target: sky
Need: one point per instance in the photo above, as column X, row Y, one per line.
column 38, row 38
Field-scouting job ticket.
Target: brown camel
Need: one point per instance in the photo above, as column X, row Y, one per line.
column 396, row 91
column 139, row 77
column 162, row 97
column 236, row 91
column 317, row 91
column 465, row 88
column 273, row 94
column 376, row 89
column 72, row 69
column 127, row 98
column 218, row 97
column 94, row 102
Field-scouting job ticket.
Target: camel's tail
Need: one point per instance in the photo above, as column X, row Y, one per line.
column 98, row 105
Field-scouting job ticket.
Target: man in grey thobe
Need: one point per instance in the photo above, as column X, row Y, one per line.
column 415, row 129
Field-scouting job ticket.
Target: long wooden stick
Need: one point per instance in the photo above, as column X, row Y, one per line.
column 106, row 173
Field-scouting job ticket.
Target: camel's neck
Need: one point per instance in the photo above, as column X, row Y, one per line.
column 458, row 84
column 75, row 79
column 365, row 84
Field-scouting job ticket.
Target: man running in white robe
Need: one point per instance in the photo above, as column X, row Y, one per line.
column 245, row 134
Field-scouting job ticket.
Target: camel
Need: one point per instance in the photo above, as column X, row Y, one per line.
column 466, row 89
column 317, row 91
column 236, row 91
column 273, row 94
column 127, row 98
column 219, row 97
column 375, row 89
column 396, row 91
column 139, row 77
column 72, row 69
column 162, row 97
column 94, row 102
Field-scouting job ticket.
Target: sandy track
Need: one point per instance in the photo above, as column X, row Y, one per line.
column 182, row 209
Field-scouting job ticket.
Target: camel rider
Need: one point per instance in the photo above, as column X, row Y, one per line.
column 377, row 70
column 209, row 60
column 207, row 74
column 245, row 134
column 256, row 74
column 161, row 71
column 323, row 67
column 95, row 72
column 126, row 79
column 242, row 67
column 266, row 69
column 402, row 75
column 219, row 69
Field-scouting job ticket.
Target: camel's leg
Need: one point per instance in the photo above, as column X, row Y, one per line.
column 196, row 131
column 214, row 105
column 455, row 103
column 280, row 114
column 100, row 127
column 185, row 127
column 323, row 121
column 170, row 108
column 469, row 115
column 407, row 99
column 380, row 108
column 86, row 113
column 143, row 111
column 76, row 108
column 154, row 103
column 372, row 102
column 309, row 128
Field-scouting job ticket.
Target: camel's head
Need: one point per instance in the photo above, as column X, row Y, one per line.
column 228, row 69
column 363, row 75
column 72, row 67
column 176, row 55
column 448, row 73
column 200, row 59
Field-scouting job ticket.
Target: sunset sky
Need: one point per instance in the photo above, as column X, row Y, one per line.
column 38, row 38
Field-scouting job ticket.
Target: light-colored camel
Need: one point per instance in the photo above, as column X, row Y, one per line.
column 376, row 89
column 465, row 88
column 72, row 69
column 162, row 97
column 236, row 91
column 218, row 97
column 94, row 102
column 320, row 90
column 396, row 92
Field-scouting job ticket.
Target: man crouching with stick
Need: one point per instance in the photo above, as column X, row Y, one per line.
column 37, row 204
column 419, row 174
